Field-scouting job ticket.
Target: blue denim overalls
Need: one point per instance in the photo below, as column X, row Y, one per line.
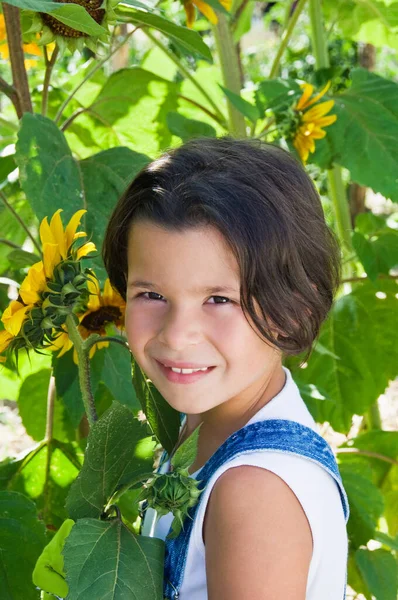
column 280, row 435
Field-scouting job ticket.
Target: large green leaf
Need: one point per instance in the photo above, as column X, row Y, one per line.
column 353, row 374
column 29, row 476
column 116, row 454
column 379, row 568
column 50, row 176
column 188, row 128
column 363, row 139
column 73, row 15
column 365, row 499
column 22, row 538
column 130, row 110
column 163, row 419
column 104, row 559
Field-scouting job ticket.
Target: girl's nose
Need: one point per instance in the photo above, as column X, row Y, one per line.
column 179, row 329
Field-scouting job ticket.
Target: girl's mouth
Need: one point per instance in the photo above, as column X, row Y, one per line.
column 183, row 377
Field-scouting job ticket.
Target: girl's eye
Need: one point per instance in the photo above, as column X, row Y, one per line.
column 228, row 301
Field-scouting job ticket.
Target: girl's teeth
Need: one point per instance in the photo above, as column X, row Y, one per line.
column 185, row 371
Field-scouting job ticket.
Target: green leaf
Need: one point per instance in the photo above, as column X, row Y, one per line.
column 73, row 15
column 7, row 165
column 134, row 564
column 163, row 419
column 367, row 121
column 365, row 499
column 188, row 128
column 276, row 94
column 185, row 454
column 21, row 258
column 117, row 376
column 32, row 405
column 358, row 323
column 379, row 569
column 190, row 39
column 248, row 110
column 387, row 540
column 49, row 574
column 116, row 454
column 68, row 387
column 29, row 478
column 49, row 174
column 22, row 538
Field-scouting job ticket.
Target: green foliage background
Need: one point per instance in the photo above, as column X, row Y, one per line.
column 95, row 122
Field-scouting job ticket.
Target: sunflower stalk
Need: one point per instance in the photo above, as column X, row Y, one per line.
column 19, row 76
column 229, row 62
column 50, row 62
column 286, row 35
column 50, row 446
column 82, row 350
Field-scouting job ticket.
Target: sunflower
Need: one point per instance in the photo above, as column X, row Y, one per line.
column 206, row 9
column 102, row 309
column 311, row 120
column 50, row 29
column 51, row 289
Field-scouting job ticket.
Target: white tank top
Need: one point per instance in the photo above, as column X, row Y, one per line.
column 315, row 489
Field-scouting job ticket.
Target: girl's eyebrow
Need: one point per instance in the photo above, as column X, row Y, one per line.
column 206, row 290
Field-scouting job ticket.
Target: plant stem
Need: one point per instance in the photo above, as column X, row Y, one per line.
column 91, row 73
column 229, row 62
column 286, row 35
column 19, row 76
column 11, row 92
column 49, row 67
column 184, row 71
column 84, row 370
column 95, row 339
column 20, row 221
column 126, row 487
column 49, row 439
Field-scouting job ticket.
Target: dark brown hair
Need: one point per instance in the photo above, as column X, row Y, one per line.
column 267, row 208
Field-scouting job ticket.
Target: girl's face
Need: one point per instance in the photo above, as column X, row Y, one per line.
column 191, row 313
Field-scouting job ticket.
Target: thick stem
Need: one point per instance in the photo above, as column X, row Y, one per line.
column 286, row 35
column 14, row 40
column 84, row 370
column 20, row 221
column 46, row 83
column 49, row 439
column 12, row 93
column 229, row 62
column 184, row 71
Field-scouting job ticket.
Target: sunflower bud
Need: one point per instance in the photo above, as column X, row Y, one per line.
column 173, row 492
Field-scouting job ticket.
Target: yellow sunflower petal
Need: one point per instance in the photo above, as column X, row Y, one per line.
column 86, row 249
column 46, row 234
column 33, row 284
column 320, row 94
column 14, row 315
column 226, row 4
column 57, row 229
column 94, row 301
column 72, row 226
column 5, row 339
column 51, row 257
column 62, row 343
column 207, row 11
column 308, row 89
column 318, row 133
column 325, row 121
column 318, row 111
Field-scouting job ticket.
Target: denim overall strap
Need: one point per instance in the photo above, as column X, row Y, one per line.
column 280, row 435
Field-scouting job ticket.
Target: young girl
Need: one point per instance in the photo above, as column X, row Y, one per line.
column 221, row 250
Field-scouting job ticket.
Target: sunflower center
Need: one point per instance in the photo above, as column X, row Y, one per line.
column 91, row 6
column 96, row 320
